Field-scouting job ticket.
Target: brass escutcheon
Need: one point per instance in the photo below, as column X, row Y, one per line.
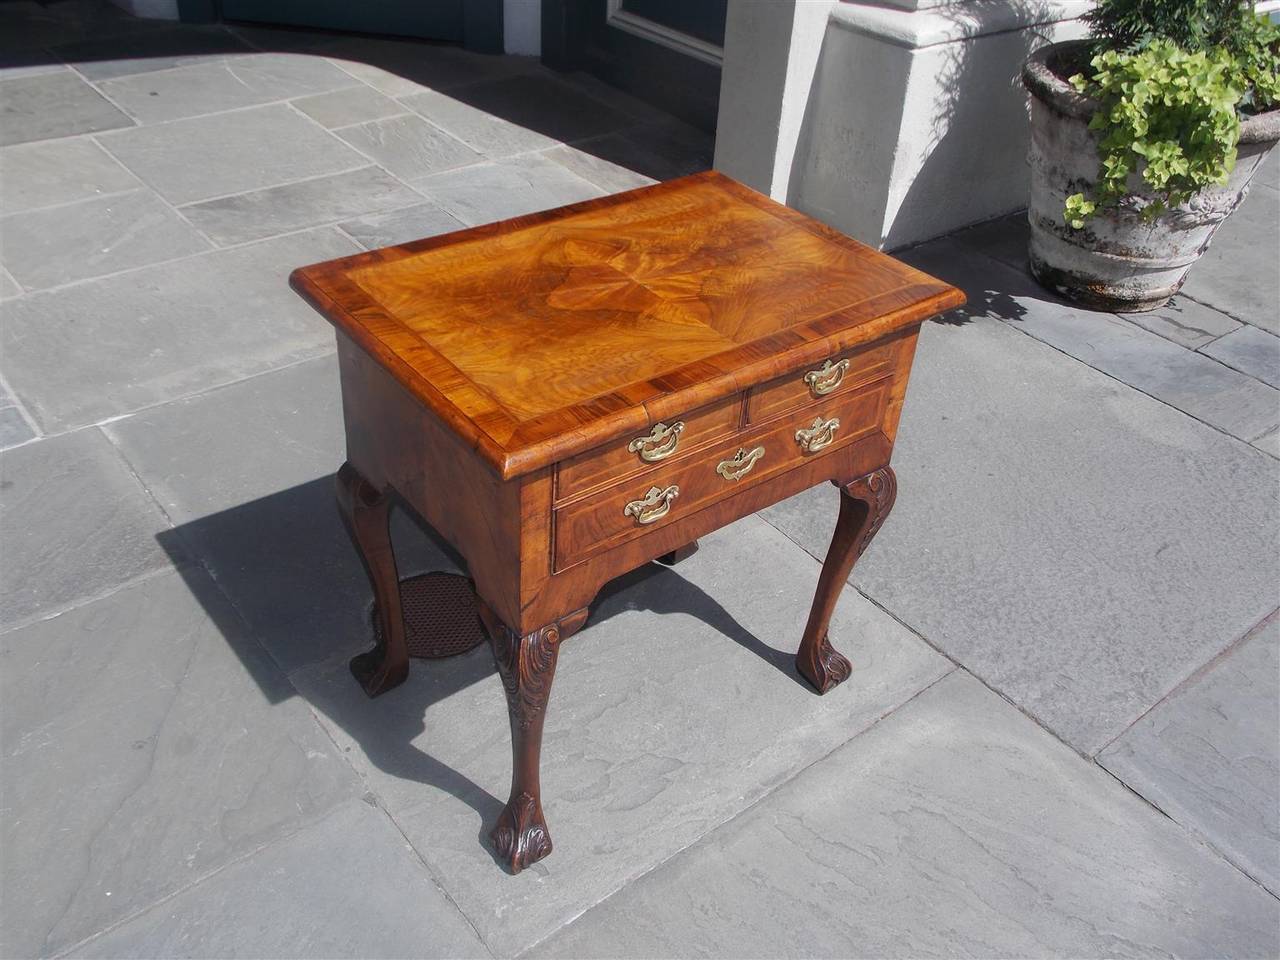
column 818, row 434
column 659, row 444
column 654, row 506
column 825, row 379
column 740, row 464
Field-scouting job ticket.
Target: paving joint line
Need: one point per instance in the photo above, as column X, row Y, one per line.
column 371, row 160
column 1225, row 313
column 20, row 406
column 957, row 664
column 431, row 873
column 191, row 884
column 33, row 619
column 1191, row 832
column 1090, row 759
column 705, row 837
column 1195, row 674
column 212, row 388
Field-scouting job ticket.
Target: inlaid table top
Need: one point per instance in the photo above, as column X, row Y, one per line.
column 540, row 337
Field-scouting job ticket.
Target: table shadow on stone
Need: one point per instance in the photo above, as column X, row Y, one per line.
column 255, row 554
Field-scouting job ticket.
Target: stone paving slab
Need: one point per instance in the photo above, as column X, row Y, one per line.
column 1250, row 351
column 163, row 331
column 1269, row 172
column 400, row 226
column 264, row 213
column 399, row 68
column 1207, row 390
column 14, row 428
column 491, row 136
column 102, row 58
column 58, row 171
column 74, row 522
column 955, row 827
column 28, row 24
column 660, row 151
column 204, row 157
column 1269, row 443
column 610, row 177
column 543, row 103
column 342, row 108
column 1079, row 546
column 1185, row 322
column 408, row 146
column 78, row 241
column 1207, row 756
column 53, row 105
column 506, row 188
column 240, row 81
column 147, row 742
column 8, row 286
column 245, row 473
column 347, row 886
column 1237, row 274
column 673, row 710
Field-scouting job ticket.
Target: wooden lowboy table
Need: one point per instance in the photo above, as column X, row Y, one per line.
column 568, row 395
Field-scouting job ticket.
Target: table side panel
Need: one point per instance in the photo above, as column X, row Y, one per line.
column 396, row 443
column 903, row 358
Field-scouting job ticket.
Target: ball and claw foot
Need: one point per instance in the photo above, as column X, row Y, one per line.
column 828, row 668
column 520, row 837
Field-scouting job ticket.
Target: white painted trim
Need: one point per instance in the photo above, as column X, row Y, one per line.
column 915, row 29
column 684, row 43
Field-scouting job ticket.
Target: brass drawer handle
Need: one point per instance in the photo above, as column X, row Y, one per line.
column 740, row 464
column 654, row 506
column 827, row 378
column 818, row 434
column 659, row 444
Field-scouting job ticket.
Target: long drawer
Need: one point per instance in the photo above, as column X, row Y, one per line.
column 642, row 502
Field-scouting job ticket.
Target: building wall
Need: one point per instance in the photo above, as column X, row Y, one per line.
column 896, row 121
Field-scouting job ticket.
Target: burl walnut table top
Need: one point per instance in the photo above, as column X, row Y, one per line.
column 543, row 336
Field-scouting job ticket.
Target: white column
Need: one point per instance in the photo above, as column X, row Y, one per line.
column 894, row 122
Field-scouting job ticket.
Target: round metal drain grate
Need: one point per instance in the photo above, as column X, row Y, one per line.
column 440, row 617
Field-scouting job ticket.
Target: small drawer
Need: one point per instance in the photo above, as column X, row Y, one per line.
column 820, row 382
column 669, row 491
column 664, row 442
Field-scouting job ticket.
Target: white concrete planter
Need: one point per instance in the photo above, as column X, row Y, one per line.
column 1117, row 261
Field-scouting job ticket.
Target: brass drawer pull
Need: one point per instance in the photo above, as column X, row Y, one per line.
column 740, row 464
column 818, row 434
column 654, row 506
column 659, row 444
column 827, row 378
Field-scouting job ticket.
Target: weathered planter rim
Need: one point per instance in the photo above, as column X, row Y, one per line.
column 1054, row 92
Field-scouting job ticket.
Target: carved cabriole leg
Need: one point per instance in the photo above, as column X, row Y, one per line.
column 527, row 666
column 367, row 512
column 864, row 504
column 678, row 554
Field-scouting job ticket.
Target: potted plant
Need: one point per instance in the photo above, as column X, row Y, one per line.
column 1143, row 140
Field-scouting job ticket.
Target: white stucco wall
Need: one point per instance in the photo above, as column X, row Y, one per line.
column 894, row 122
